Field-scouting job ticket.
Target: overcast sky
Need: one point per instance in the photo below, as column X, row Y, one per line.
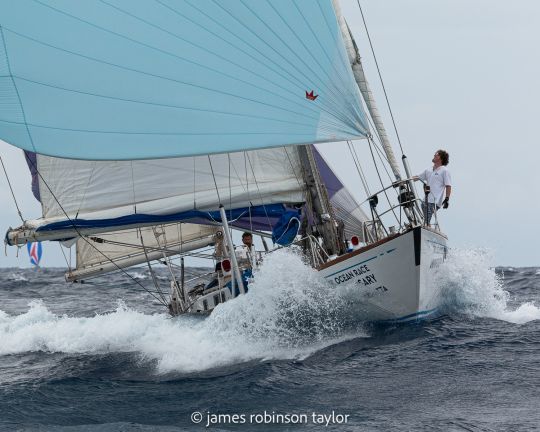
column 461, row 75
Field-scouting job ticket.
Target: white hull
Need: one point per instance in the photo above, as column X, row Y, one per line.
column 393, row 281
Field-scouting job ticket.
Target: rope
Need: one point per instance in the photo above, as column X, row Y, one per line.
column 214, row 177
column 11, row 189
column 380, row 76
column 87, row 241
column 380, row 179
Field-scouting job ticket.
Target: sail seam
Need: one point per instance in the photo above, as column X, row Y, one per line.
column 162, row 50
column 16, row 90
column 159, row 104
column 94, row 59
column 199, row 47
column 334, row 104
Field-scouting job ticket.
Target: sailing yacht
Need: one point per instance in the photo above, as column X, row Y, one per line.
column 154, row 129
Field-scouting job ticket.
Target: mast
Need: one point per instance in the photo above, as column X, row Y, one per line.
column 360, row 77
column 318, row 203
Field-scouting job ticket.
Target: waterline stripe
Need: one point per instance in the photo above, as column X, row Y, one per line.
column 420, row 314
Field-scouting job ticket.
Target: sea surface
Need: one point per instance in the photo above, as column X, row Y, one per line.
column 289, row 355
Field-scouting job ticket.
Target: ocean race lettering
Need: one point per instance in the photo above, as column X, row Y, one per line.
column 360, row 273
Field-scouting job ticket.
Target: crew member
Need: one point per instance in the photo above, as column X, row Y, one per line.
column 440, row 184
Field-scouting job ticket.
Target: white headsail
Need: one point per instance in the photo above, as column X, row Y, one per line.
column 88, row 197
column 112, row 251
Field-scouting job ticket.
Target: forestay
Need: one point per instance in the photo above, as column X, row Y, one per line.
column 119, row 79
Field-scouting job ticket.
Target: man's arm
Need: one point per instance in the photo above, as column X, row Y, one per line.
column 448, row 191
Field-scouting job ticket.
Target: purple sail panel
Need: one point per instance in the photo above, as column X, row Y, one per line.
column 31, row 160
column 332, row 183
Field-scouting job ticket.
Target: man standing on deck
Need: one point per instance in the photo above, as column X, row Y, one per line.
column 245, row 252
column 440, row 184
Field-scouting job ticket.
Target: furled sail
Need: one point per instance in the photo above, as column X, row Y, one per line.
column 111, row 251
column 89, row 197
column 119, row 79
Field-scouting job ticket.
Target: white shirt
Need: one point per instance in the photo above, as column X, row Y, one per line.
column 437, row 180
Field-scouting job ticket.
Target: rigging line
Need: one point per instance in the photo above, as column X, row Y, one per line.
column 380, row 77
column 382, row 156
column 359, row 169
column 356, row 159
column 249, row 196
column 154, row 279
column 39, row 173
column 68, row 264
column 380, row 179
column 11, row 189
column 10, row 74
column 214, row 177
column 376, row 134
column 260, row 196
column 379, row 151
column 84, row 238
column 194, row 183
column 292, row 168
column 133, row 189
column 165, row 256
column 230, row 187
column 86, row 188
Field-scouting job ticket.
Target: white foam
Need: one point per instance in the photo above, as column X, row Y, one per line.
column 16, row 277
column 287, row 313
column 470, row 285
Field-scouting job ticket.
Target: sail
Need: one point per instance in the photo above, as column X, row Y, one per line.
column 89, row 197
column 345, row 207
column 125, row 80
column 34, row 252
column 114, row 250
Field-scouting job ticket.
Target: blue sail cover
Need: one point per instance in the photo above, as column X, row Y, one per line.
column 139, row 79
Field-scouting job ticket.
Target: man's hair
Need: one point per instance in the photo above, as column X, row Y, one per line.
column 247, row 234
column 445, row 157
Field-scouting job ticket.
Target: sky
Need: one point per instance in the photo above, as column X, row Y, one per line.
column 460, row 75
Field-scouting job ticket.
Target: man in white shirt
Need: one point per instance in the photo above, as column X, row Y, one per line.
column 440, row 184
column 245, row 252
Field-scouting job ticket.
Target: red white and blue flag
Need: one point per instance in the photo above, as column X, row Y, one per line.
column 34, row 252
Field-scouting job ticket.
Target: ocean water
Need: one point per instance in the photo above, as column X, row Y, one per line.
column 290, row 355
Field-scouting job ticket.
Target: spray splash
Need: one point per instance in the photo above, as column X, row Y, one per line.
column 289, row 312
column 470, row 285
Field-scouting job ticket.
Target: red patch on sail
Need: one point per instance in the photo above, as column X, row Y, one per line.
column 311, row 96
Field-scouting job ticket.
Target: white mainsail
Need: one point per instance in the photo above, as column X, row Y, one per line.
column 103, row 196
column 115, row 250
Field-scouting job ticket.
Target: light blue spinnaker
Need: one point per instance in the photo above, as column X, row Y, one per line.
column 119, row 79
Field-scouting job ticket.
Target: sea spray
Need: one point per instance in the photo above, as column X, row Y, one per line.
column 289, row 312
column 471, row 286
